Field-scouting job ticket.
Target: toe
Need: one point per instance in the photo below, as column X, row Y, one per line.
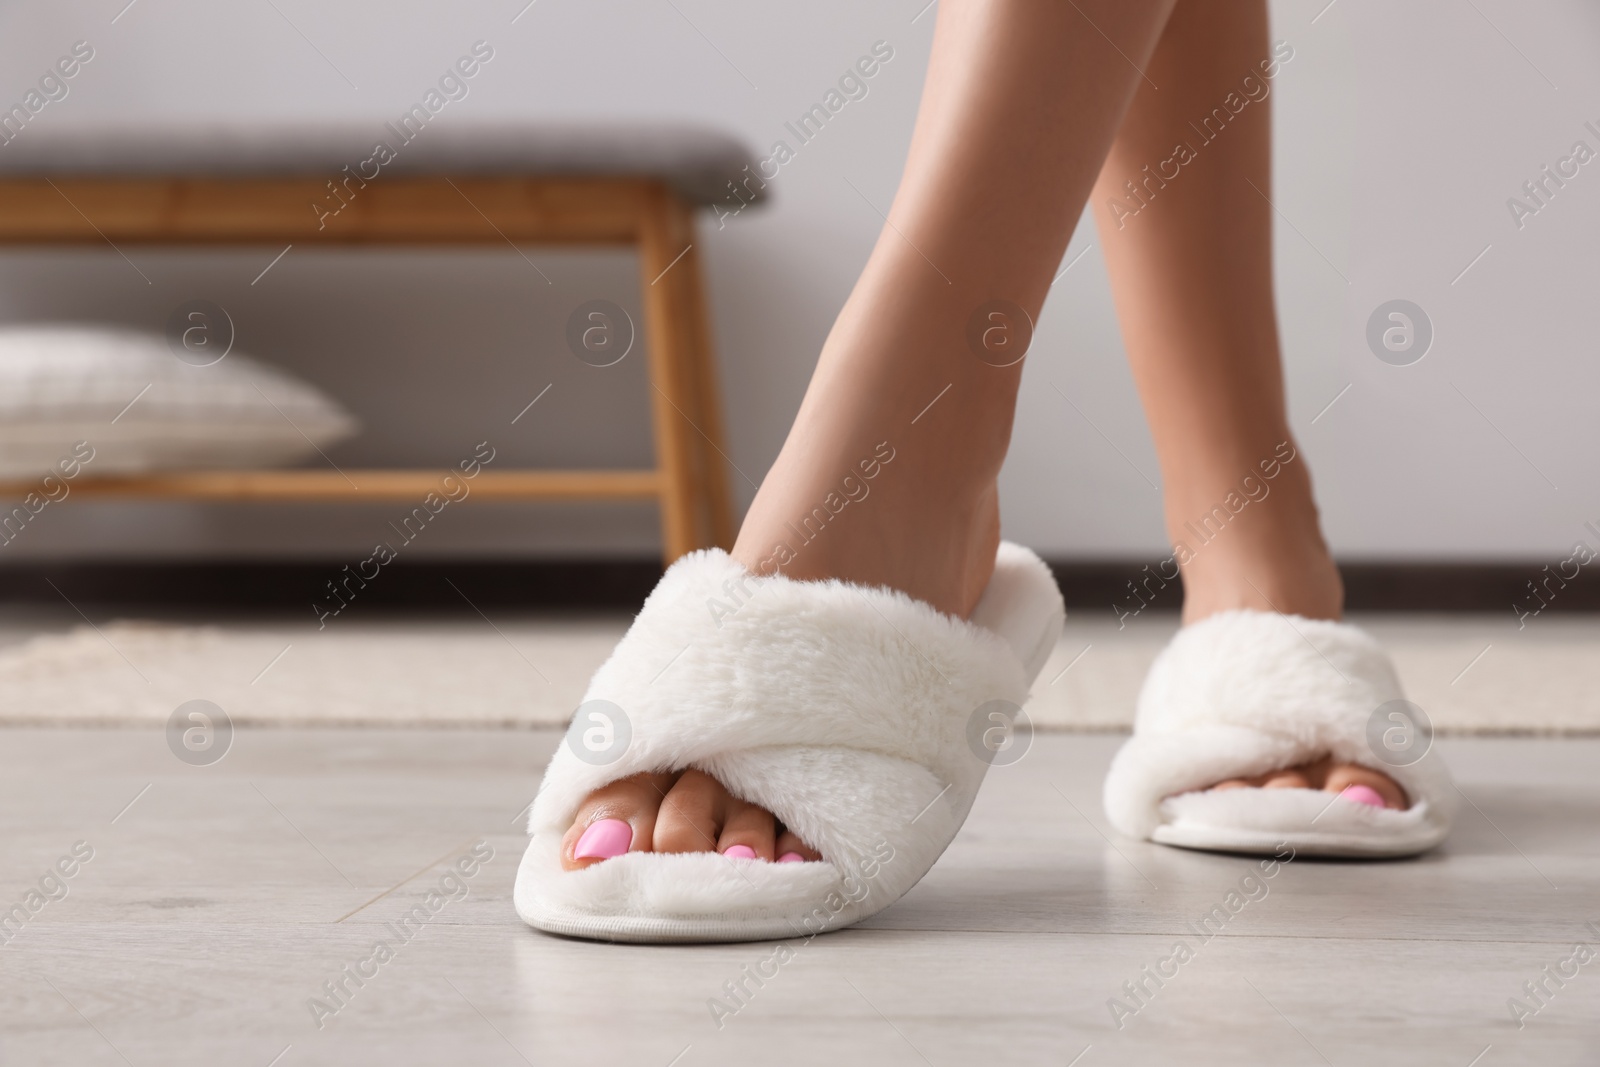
column 616, row 818
column 790, row 849
column 1288, row 778
column 1293, row 778
column 692, row 814
column 748, row 831
column 1362, row 779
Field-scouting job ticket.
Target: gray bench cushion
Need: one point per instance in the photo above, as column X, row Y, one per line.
column 697, row 162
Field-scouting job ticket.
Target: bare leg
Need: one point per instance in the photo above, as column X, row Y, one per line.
column 1022, row 100
column 1191, row 264
column 1021, row 103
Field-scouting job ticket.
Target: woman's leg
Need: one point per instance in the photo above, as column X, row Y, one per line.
column 1022, row 100
column 1190, row 256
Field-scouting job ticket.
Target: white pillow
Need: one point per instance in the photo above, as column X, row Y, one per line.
column 64, row 384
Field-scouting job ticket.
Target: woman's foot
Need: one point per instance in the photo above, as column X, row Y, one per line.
column 1271, row 557
column 922, row 516
column 690, row 811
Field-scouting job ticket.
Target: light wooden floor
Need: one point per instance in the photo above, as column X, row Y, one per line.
column 217, row 904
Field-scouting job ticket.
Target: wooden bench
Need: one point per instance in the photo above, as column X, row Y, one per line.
column 485, row 185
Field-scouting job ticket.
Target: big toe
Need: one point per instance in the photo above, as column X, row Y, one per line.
column 616, row 818
column 1364, row 785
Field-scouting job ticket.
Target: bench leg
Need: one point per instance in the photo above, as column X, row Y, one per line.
column 717, row 513
column 688, row 422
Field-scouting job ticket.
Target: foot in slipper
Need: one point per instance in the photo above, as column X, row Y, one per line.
column 825, row 721
column 680, row 810
column 1257, row 728
column 1238, row 697
column 799, row 746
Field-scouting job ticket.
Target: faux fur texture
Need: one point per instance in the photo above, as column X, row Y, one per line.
column 1246, row 692
column 844, row 710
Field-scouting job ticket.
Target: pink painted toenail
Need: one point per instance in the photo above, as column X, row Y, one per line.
column 791, row 857
column 604, row 839
column 739, row 852
column 1364, row 794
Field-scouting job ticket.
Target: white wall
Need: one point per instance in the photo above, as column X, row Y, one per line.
column 1402, row 131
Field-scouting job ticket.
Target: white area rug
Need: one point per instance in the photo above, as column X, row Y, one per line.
column 1472, row 674
column 522, row 673
column 384, row 674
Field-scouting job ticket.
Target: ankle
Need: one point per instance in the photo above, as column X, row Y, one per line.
column 907, row 527
column 1311, row 587
column 1262, row 553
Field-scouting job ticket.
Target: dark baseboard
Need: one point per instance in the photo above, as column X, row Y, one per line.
column 624, row 582
column 296, row 585
column 1368, row 586
column 1467, row 587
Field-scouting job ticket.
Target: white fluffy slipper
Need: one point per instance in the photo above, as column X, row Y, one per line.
column 1246, row 692
column 855, row 715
